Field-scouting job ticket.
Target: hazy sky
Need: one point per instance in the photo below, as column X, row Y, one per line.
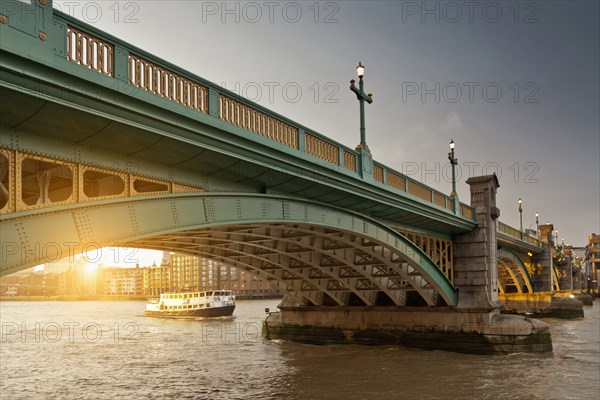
column 516, row 85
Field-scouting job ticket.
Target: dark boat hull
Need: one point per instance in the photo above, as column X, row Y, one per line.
column 201, row 313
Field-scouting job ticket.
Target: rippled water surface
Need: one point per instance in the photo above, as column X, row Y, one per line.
column 106, row 350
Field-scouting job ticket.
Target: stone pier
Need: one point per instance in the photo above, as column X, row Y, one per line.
column 542, row 278
column 474, row 325
column 458, row 330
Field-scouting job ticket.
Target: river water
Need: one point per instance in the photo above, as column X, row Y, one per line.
column 107, row 350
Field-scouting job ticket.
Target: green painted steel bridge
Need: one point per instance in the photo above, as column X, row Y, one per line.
column 103, row 144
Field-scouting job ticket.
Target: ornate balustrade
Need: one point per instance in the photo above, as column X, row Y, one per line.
column 517, row 234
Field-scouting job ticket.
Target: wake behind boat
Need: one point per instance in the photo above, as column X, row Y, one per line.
column 218, row 303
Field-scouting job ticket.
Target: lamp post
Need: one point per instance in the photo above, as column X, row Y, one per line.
column 521, row 216
column 362, row 97
column 573, row 259
column 454, row 163
column 556, row 236
column 537, row 225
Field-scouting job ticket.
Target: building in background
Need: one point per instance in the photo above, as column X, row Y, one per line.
column 117, row 281
column 592, row 259
column 30, row 283
column 78, row 279
column 176, row 273
column 182, row 273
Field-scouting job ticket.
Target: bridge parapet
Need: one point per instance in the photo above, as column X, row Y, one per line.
column 105, row 59
column 513, row 239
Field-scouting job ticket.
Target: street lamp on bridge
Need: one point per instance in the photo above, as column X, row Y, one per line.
column 362, row 97
column 537, row 225
column 521, row 216
column 454, row 163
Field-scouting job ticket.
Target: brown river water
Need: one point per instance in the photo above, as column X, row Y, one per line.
column 109, row 350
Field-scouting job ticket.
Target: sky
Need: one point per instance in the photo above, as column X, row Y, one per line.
column 514, row 84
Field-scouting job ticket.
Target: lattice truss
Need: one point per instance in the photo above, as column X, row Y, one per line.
column 317, row 266
column 440, row 251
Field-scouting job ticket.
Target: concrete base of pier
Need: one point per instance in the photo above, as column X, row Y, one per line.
column 542, row 305
column 465, row 331
column 585, row 299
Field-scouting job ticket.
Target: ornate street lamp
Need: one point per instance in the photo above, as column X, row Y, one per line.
column 362, row 97
column 537, row 225
column 453, row 162
column 521, row 216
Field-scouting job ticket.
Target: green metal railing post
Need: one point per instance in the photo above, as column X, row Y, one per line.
column 213, row 102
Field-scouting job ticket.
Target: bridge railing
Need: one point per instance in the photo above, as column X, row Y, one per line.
column 517, row 234
column 114, row 58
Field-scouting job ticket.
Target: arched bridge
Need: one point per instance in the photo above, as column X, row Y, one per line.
column 104, row 144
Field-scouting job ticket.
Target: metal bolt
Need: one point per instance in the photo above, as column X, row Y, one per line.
column 43, row 2
column 3, row 19
column 42, row 36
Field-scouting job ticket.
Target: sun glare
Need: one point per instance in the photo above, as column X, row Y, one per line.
column 91, row 268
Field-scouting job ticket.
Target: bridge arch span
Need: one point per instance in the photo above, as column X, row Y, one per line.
column 319, row 254
column 513, row 276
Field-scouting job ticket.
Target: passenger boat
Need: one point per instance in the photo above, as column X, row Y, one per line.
column 217, row 303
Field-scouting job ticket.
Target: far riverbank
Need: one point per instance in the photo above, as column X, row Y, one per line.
column 108, row 298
